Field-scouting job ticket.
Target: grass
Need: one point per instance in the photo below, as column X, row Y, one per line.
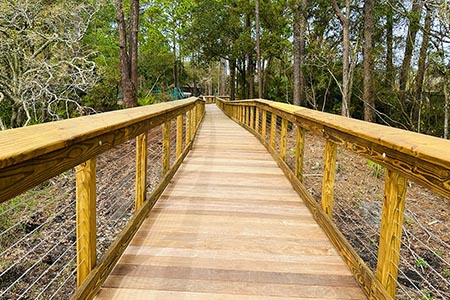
column 377, row 170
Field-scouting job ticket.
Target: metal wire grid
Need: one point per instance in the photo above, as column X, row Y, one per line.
column 37, row 249
column 154, row 158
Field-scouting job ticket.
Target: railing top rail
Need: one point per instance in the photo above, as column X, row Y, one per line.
column 33, row 154
column 420, row 157
column 21, row 144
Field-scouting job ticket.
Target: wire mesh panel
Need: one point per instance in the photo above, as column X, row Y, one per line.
column 38, row 242
column 313, row 164
column 154, row 157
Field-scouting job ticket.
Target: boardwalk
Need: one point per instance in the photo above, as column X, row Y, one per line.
column 229, row 226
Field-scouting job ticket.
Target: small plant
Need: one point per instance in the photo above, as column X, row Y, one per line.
column 292, row 150
column 377, row 170
column 446, row 273
column 426, row 295
column 421, row 263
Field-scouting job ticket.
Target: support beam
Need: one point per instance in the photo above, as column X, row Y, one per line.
column 273, row 129
column 299, row 152
column 179, row 148
column 329, row 171
column 264, row 124
column 391, row 231
column 283, row 139
column 166, row 148
column 141, row 170
column 86, row 218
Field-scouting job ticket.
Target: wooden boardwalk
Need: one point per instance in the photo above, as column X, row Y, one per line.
column 229, row 226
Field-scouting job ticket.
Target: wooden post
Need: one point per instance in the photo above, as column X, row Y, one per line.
column 283, row 139
column 264, row 124
column 299, row 152
column 166, row 148
column 257, row 119
column 86, row 218
column 328, row 177
column 193, row 121
column 252, row 117
column 188, row 127
column 179, row 148
column 391, row 231
column 141, row 170
column 273, row 129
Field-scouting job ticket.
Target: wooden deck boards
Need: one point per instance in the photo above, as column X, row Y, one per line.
column 230, row 226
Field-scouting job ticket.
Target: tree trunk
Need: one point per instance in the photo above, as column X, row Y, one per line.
column 299, row 49
column 446, row 108
column 223, row 77
column 250, row 64
column 414, row 23
column 390, row 75
column 423, row 56
column 258, row 49
column 345, row 22
column 369, row 102
column 134, row 31
column 129, row 93
column 232, row 78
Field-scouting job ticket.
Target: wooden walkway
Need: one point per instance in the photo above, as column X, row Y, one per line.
column 229, row 226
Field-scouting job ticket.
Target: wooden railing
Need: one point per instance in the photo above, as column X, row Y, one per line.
column 29, row 156
column 405, row 155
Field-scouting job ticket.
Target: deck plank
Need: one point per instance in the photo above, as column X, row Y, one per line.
column 230, row 226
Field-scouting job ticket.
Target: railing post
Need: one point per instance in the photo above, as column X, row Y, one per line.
column 283, row 139
column 252, row 117
column 188, row 127
column 299, row 152
column 391, row 231
column 141, row 170
column 257, row 119
column 166, row 148
column 193, row 121
column 264, row 124
column 86, row 218
column 273, row 129
column 179, row 148
column 328, row 177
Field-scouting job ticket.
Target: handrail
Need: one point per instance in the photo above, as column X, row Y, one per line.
column 406, row 155
column 29, row 156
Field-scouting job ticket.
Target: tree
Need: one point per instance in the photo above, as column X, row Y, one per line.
column 369, row 102
column 258, row 48
column 128, row 52
column 344, row 19
column 44, row 67
column 299, row 9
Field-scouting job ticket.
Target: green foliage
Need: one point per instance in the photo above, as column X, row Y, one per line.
column 426, row 295
column 421, row 263
column 377, row 170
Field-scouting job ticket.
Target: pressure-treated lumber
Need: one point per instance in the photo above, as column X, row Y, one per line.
column 264, row 124
column 273, row 129
column 166, row 148
column 299, row 152
column 179, row 145
column 283, row 139
column 141, row 170
column 391, row 231
column 221, row 231
column 86, row 218
column 329, row 171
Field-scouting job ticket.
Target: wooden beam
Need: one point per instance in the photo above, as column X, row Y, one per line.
column 283, row 139
column 273, row 129
column 299, row 152
column 86, row 218
column 141, row 170
column 252, row 117
column 328, row 177
column 188, row 127
column 264, row 124
column 257, row 119
column 166, row 148
column 391, row 231
column 179, row 148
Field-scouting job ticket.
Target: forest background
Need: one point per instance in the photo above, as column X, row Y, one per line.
column 383, row 61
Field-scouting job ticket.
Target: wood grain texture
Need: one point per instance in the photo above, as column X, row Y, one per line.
column 364, row 276
column 273, row 129
column 391, row 231
column 179, row 145
column 31, row 155
column 230, row 226
column 283, row 139
column 141, row 170
column 86, row 218
column 328, row 177
column 264, row 124
column 299, row 152
column 95, row 279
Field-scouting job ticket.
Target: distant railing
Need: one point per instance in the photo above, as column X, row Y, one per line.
column 405, row 155
column 32, row 155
